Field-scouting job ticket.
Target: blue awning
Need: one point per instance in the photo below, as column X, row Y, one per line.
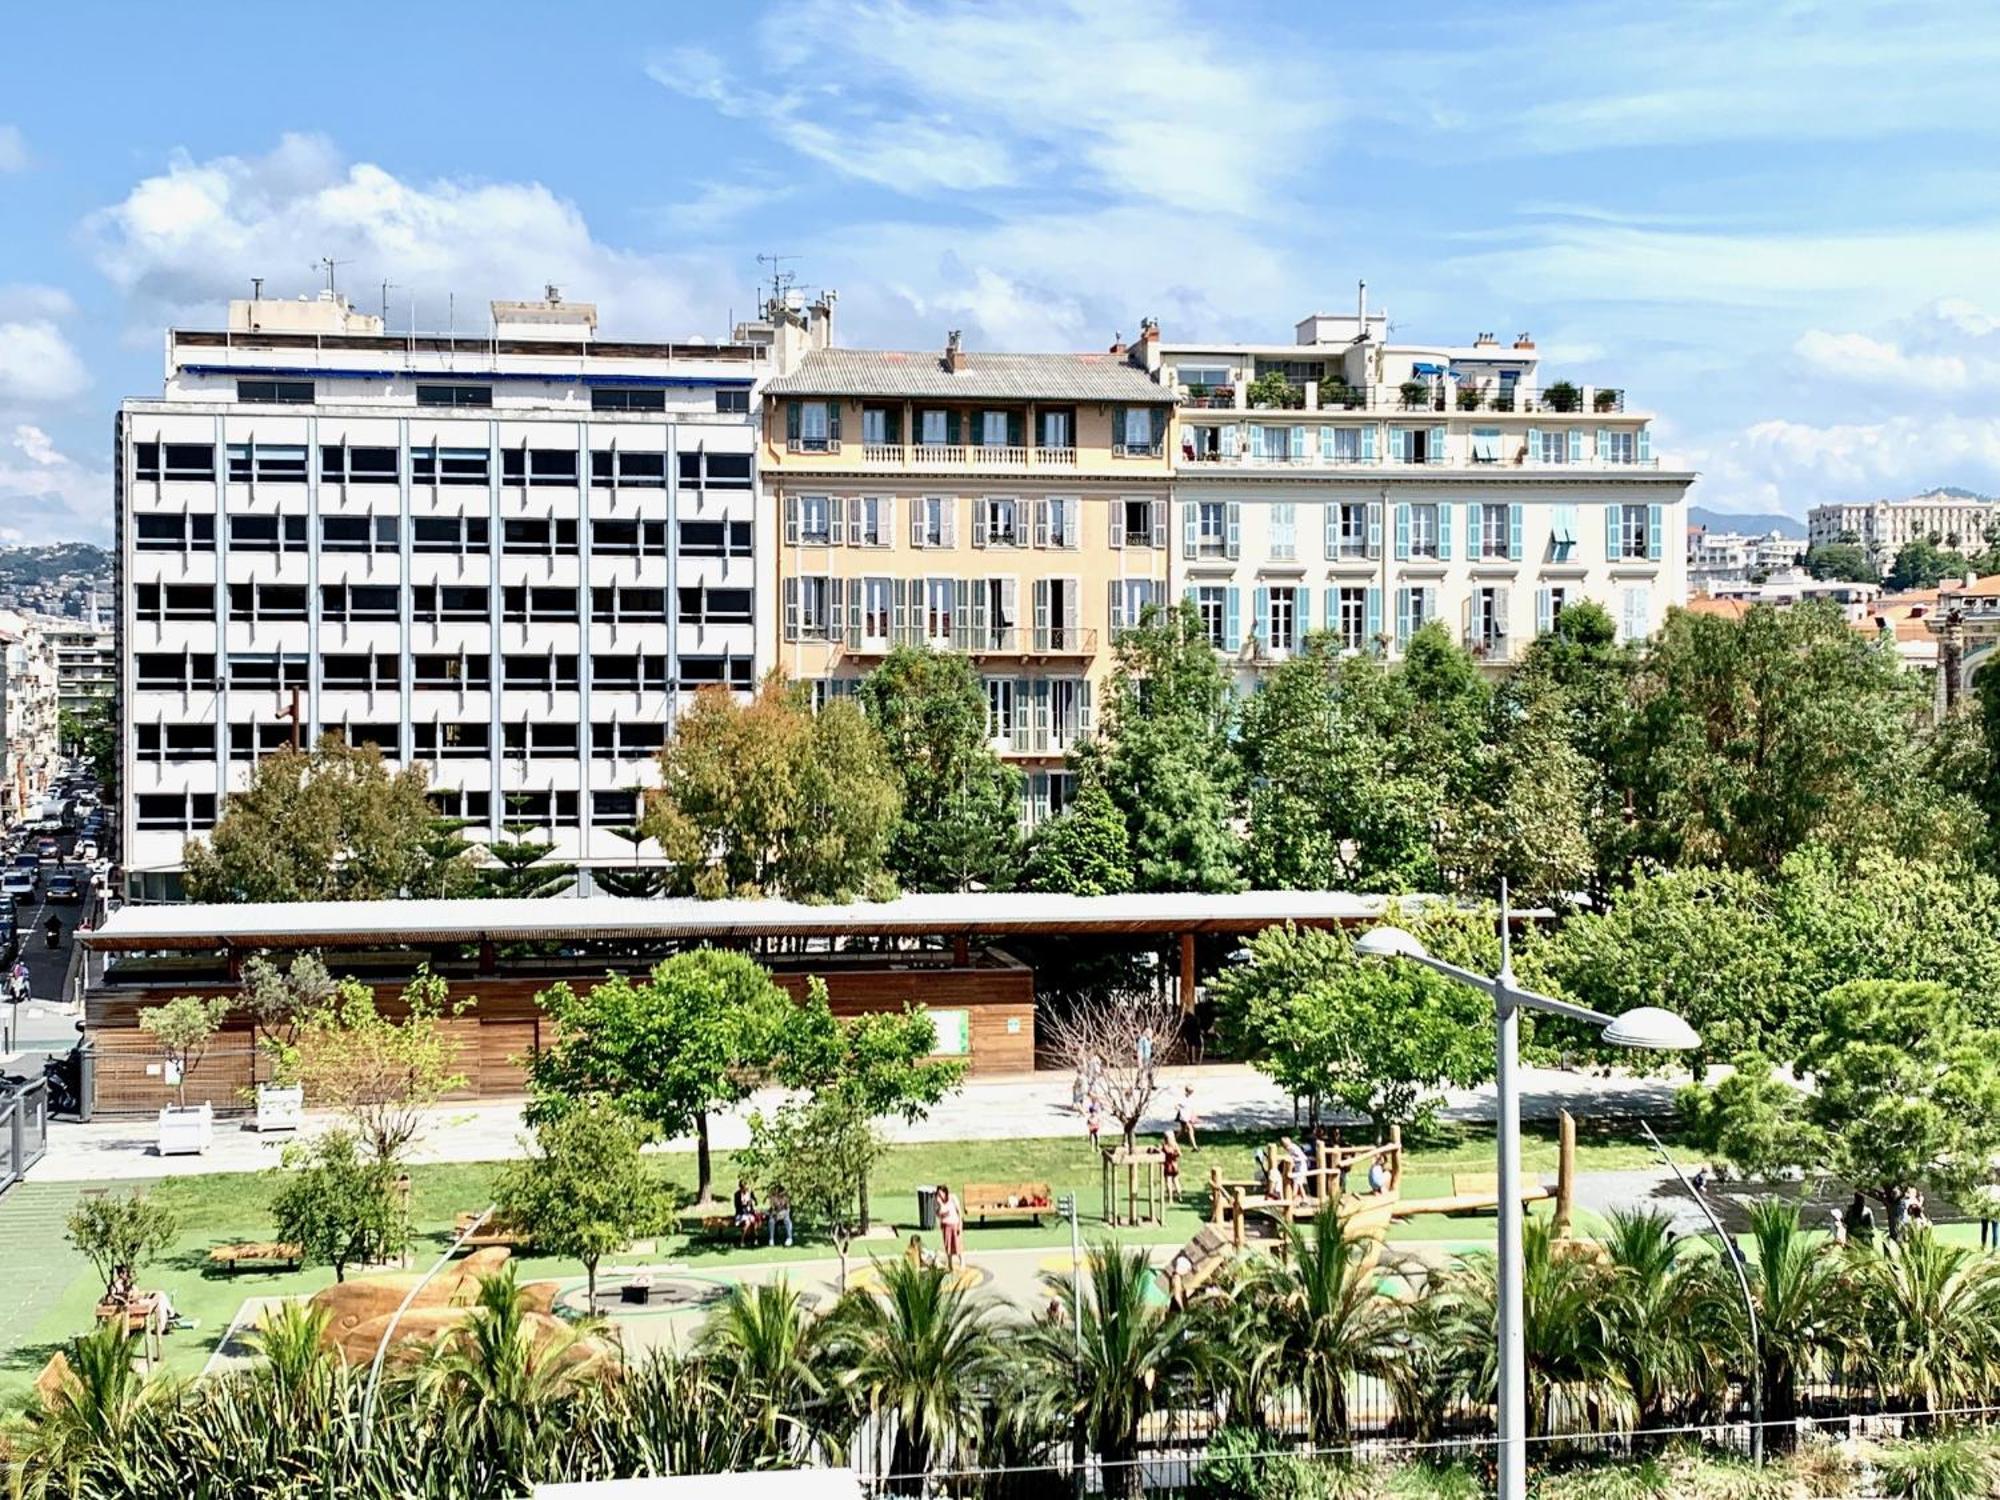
column 1427, row 369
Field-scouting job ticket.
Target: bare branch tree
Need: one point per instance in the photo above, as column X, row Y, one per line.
column 1119, row 1039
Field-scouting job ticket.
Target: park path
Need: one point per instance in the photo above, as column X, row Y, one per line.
column 1025, row 1107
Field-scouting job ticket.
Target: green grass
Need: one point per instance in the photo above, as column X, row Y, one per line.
column 223, row 1208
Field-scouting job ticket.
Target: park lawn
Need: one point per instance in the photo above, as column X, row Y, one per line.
column 227, row 1207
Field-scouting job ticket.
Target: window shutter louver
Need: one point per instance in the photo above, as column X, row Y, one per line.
column 980, row 523
column 1604, row 445
column 1298, row 444
column 1373, row 610
column 1159, row 517
column 1402, row 533
column 1436, row 453
column 1232, row 620
column 1544, row 612
column 1010, row 597
column 1117, row 523
column 1444, row 533
column 1374, row 528
column 1613, row 533
column 1655, row 531
column 1302, row 602
column 1042, row 522
column 1233, row 522
column 1326, row 444
column 791, row 520
column 1503, row 613
column 1331, row 527
column 1534, row 445
column 1644, row 447
column 950, row 506
column 899, row 618
column 1086, row 717
column 1041, row 605
column 836, row 526
column 917, row 509
column 791, row 421
column 1576, row 445
column 833, row 421
column 1260, row 616
column 1368, row 444
column 1228, row 440
column 791, row 609
column 1191, row 530
column 1513, row 533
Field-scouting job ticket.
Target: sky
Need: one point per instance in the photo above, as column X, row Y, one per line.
column 1776, row 225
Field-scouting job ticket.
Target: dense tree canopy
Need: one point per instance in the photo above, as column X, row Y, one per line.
column 1846, row 562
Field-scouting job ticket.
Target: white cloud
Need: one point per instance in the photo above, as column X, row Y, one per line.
column 37, row 365
column 185, row 239
column 716, row 204
column 1792, row 466
column 13, row 149
column 46, row 496
column 1093, row 96
column 1871, row 361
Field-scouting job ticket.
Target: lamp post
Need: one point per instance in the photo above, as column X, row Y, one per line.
column 1646, row 1027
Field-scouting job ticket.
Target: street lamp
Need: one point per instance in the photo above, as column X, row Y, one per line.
column 1647, row 1027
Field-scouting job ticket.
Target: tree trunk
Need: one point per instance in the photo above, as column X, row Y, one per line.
column 590, row 1285
column 703, row 1171
column 861, row 1198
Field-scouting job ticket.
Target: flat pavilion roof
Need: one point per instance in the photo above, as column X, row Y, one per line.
column 368, row 924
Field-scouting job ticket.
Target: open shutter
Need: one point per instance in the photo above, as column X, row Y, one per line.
column 1655, row 529
column 1017, row 436
column 792, row 517
column 1228, row 440
column 1466, row 622
column 1644, row 449
column 836, row 511
column 885, row 520
column 1116, row 613
column 1330, row 602
column 1326, row 443
column 1233, row 520
column 1513, row 533
column 1399, row 445
column 951, row 429
column 1368, row 444
column 1444, row 533
column 1331, row 527
column 1117, row 523
column 857, row 598
column 1260, row 618
column 1302, row 602
column 950, row 506
column 1298, row 444
column 856, row 509
column 1040, row 595
column 1402, row 533
column 1604, row 445
column 899, row 618
column 1545, row 617
column 1190, row 530
column 1159, row 525
column 1503, row 616
column 1010, row 621
column 1534, row 445
column 1374, row 528
column 791, row 609
column 1041, row 521
column 1374, row 613
column 1402, row 617
column 980, row 521
column 1576, row 445
column 791, row 421
column 1434, row 452
column 892, row 424
column 917, row 509
column 1613, row 538
column 1232, row 619
column 1086, row 712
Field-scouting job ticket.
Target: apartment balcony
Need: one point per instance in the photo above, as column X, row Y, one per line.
column 1560, row 399
column 1007, row 640
column 932, row 457
column 1448, row 461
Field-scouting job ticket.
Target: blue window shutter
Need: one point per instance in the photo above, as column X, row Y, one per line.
column 1229, row 441
column 1436, row 453
column 1576, row 445
column 1189, row 594
column 1475, row 534
column 1402, row 616
column 1534, row 445
column 1233, row 529
column 1513, row 533
column 1232, row 619
column 1374, row 527
column 1402, row 533
column 1655, row 525
column 1399, row 445
column 1374, row 622
column 1298, row 442
column 1260, row 620
column 1444, row 533
column 1326, row 443
column 1331, row 510
column 1544, row 612
column 1330, row 600
column 833, row 420
column 1603, row 444
column 1645, row 445
column 1611, row 534
column 791, row 421
column 1190, row 533
column 1302, row 601
column 1368, row 444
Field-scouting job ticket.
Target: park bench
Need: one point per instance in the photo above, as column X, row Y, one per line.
column 495, row 1232
column 1006, row 1200
column 232, row 1258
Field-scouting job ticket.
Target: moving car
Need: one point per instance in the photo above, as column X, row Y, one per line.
column 18, row 884
column 30, row 862
column 64, row 887
column 48, row 851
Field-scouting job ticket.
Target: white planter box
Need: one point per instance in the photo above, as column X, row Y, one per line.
column 186, row 1131
column 279, row 1107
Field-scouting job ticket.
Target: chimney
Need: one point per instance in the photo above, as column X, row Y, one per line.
column 954, row 353
column 1117, row 343
column 1524, row 342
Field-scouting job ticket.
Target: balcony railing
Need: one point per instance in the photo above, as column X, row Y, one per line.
column 972, row 640
column 1064, row 640
column 1137, row 450
column 1561, row 399
column 812, row 445
column 1448, row 461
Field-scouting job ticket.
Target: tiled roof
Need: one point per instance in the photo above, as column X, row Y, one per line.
column 1728, row 609
column 985, row 377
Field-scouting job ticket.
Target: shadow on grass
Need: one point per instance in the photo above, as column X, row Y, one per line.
column 31, row 1357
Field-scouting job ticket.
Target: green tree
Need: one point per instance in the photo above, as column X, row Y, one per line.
column 1167, row 758
column 1292, row 745
column 337, row 1204
column 1844, row 562
column 1923, row 564
column 1929, row 1319
column 520, row 867
column 668, row 1050
column 91, row 734
column 1376, row 1038
column 330, row 824
column 961, row 805
column 820, row 1149
column 768, row 798
column 184, row 1027
column 767, row 1347
column 447, row 866
column 1752, row 738
column 384, row 1074
column 583, row 1191
column 915, row 1356
column 1084, row 850
column 1527, row 822
column 1272, row 391
column 121, row 1230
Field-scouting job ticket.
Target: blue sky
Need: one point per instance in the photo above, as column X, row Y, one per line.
column 1776, row 224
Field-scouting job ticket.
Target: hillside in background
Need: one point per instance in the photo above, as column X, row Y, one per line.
column 1755, row 523
column 45, row 564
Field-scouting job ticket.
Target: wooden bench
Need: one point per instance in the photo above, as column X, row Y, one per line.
column 233, row 1258
column 496, row 1231
column 140, row 1314
column 1006, row 1200
column 1475, row 1185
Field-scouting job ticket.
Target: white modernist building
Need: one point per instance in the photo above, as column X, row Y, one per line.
column 30, row 697
column 1716, row 558
column 1371, row 487
column 1884, row 527
column 508, row 556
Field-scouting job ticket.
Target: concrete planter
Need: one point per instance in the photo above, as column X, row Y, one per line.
column 279, row 1107
column 186, row 1130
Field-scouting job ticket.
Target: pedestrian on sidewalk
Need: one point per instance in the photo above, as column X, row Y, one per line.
column 1184, row 1116
column 1093, row 1122
column 1170, row 1165
column 951, row 1228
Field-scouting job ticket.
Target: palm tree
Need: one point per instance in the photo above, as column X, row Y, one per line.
column 1575, row 1380
column 915, row 1358
column 87, row 1422
column 1139, row 1356
column 1802, row 1311
column 1672, row 1338
column 765, row 1350
column 1321, row 1321
column 299, row 1362
column 1931, row 1315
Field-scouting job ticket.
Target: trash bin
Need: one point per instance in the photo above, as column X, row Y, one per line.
column 927, row 1208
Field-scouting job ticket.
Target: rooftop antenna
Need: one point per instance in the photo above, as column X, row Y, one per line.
column 256, row 289
column 781, row 279
column 386, row 284
column 328, row 263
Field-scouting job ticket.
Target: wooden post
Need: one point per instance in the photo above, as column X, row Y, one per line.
column 1187, row 973
column 1236, row 1235
column 1396, row 1160
column 1319, row 1171
column 1565, row 1171
column 961, row 952
column 1215, row 1196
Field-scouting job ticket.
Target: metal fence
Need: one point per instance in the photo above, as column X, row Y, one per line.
column 24, row 1128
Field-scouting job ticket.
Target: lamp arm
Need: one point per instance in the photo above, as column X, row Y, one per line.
column 1512, row 994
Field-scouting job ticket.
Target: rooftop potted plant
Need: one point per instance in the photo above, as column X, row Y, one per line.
column 1416, row 394
column 1607, row 399
column 1271, row 391
column 1470, row 398
column 184, row 1027
column 1339, row 395
column 1562, row 396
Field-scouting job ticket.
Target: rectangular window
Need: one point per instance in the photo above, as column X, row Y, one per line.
column 1284, row 532
column 735, row 400
column 267, row 463
column 1138, row 518
column 448, row 741
column 1208, row 376
column 1283, row 625
column 701, row 605
column 609, row 605
column 539, row 536
column 940, row 611
column 174, row 601
column 172, row 671
column 538, row 741
column 613, row 740
column 454, row 395
column 275, row 392
column 1555, row 446
column 343, row 465
column 1060, row 522
column 1632, row 528
column 1211, row 528
column 1486, row 445
column 1351, row 530
column 1137, row 435
column 702, row 538
column 344, row 602
column 267, row 601
column 267, row 671
column 450, row 603
column 1000, row 709
column 176, row 811
column 614, row 809
column 267, row 533
column 176, row 742
column 815, row 434
column 1489, row 621
column 520, row 604
column 934, row 428
column 545, row 672
column 362, row 672
column 1617, row 447
column 457, row 535
column 1494, row 530
column 1423, row 531
column 874, row 425
column 1212, row 603
column 877, row 609
column 993, row 429
column 1003, row 527
column 815, row 519
column 1351, row 622
column 450, row 465
column 817, row 615
column 358, row 534
column 1058, row 429
column 931, row 521
column 618, row 470
column 628, row 398
column 631, row 538
column 173, row 461
column 451, row 671
column 870, row 520
column 173, row 533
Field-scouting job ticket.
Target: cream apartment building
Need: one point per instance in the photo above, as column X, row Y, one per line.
column 1013, row 507
column 1884, row 527
column 1386, row 485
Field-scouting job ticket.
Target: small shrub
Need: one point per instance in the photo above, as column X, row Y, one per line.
column 1606, row 400
column 1470, row 398
column 1416, row 394
column 1562, row 396
column 1951, row 1469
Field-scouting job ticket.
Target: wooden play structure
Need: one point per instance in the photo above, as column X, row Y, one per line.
column 1286, row 1195
column 359, row 1310
column 1145, row 1169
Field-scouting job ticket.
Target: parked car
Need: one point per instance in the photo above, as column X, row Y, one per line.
column 64, row 887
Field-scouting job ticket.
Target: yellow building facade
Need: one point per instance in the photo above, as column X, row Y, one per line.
column 1014, row 508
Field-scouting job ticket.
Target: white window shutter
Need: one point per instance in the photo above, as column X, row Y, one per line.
column 1604, row 445
column 1010, row 593
column 1160, row 524
column 1233, row 523
column 1042, row 522
column 1331, row 511
column 1072, row 606
column 1041, row 604
column 1117, row 522
column 1576, row 445
column 791, row 609
column 950, row 504
column 1086, row 716
column 1503, row 612
column 917, row 509
column 1228, row 440
column 1534, row 445
column 791, row 520
column 855, row 512
column 1190, row 529
column 980, row 507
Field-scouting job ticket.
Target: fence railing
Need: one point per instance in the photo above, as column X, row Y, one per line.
column 24, row 1129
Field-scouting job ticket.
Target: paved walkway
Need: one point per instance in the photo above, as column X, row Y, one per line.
column 1226, row 1096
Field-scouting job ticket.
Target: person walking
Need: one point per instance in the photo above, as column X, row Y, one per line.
column 1170, row 1166
column 1184, row 1116
column 951, row 1228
